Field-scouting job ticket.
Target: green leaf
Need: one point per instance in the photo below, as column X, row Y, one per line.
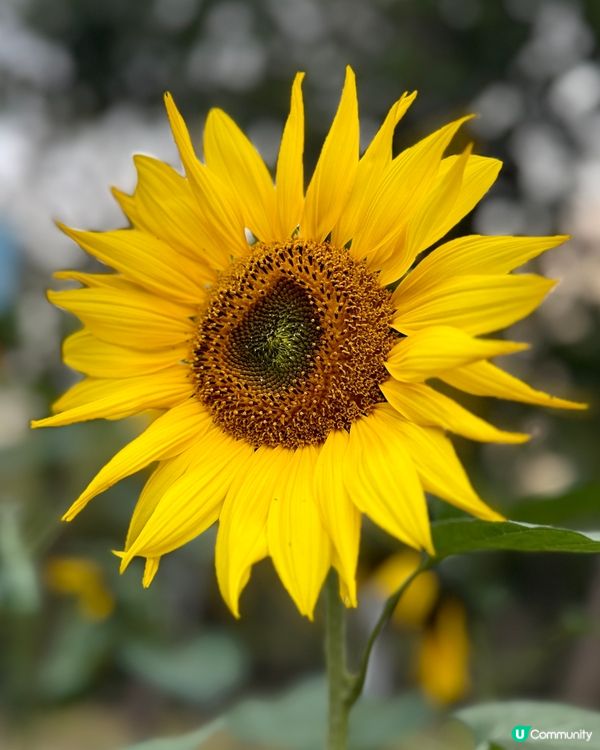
column 199, row 670
column 457, row 536
column 76, row 652
column 191, row 741
column 295, row 721
column 376, row 723
column 493, row 724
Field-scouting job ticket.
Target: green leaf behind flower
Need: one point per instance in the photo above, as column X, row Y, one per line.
column 493, row 723
column 457, row 536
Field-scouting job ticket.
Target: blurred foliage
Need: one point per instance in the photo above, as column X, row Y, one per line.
column 80, row 87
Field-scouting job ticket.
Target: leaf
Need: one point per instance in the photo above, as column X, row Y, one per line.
column 77, row 651
column 493, row 724
column 191, row 741
column 457, row 536
column 199, row 670
column 295, row 721
column 375, row 723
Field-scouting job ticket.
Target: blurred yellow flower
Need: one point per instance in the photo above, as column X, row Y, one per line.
column 286, row 335
column 442, row 645
column 83, row 579
column 419, row 598
column 443, row 654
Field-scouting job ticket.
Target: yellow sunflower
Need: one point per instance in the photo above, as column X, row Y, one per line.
column 287, row 338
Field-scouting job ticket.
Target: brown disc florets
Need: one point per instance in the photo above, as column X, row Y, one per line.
column 292, row 344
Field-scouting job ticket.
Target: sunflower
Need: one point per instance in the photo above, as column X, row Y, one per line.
column 286, row 338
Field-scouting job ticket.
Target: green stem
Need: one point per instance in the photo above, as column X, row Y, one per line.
column 335, row 649
column 357, row 682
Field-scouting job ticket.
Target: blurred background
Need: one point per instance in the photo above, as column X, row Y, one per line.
column 88, row 658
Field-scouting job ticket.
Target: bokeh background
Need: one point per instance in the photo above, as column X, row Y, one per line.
column 88, row 658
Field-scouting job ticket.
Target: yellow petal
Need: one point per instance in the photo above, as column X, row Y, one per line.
column 475, row 254
column 165, row 206
column 440, row 470
column 461, row 183
column 242, row 535
column 289, row 191
column 443, row 657
column 430, row 351
column 334, row 174
column 150, row 570
column 419, row 597
column 146, row 261
column 425, row 406
column 382, row 480
column 127, row 318
column 193, row 501
column 401, row 187
column 166, row 437
column 371, row 166
column 423, row 224
column 475, row 304
column 84, row 352
column 164, row 476
column 223, row 224
column 341, row 518
column 297, row 542
column 485, row 379
column 479, row 175
column 104, row 280
column 117, row 398
column 234, row 159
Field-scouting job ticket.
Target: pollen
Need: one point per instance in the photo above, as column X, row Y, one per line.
column 292, row 344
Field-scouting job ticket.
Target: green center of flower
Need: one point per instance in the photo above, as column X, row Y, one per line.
column 292, row 344
column 274, row 342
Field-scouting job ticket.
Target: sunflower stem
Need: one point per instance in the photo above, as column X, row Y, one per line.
column 338, row 678
column 357, row 681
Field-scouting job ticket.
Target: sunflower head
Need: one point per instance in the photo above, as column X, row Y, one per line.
column 287, row 336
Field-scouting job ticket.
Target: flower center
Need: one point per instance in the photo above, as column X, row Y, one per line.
column 292, row 344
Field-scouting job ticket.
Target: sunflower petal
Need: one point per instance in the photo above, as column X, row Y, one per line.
column 401, row 187
column 334, row 174
column 102, row 280
column 193, row 501
column 165, row 206
column 485, row 379
column 371, row 166
column 289, row 191
column 421, row 404
column 297, row 542
column 128, row 318
column 150, row 570
column 96, row 398
column 475, row 254
column 84, row 352
column 341, row 518
column 166, row 437
column 382, row 480
column 145, row 260
column 436, row 203
column 230, row 154
column 221, row 218
column 430, row 351
column 242, row 537
column 475, row 304
column 439, row 469
column 164, row 476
